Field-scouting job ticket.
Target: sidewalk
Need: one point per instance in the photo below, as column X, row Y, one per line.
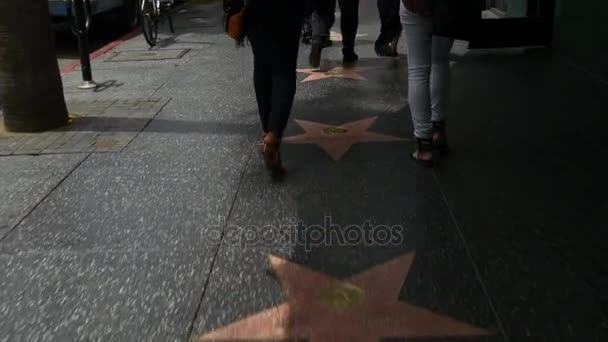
column 153, row 219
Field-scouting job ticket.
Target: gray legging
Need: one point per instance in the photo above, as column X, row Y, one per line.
column 428, row 60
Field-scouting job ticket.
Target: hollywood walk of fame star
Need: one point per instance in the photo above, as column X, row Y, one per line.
column 337, row 140
column 352, row 73
column 362, row 308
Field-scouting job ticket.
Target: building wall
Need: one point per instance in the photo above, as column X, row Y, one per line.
column 581, row 32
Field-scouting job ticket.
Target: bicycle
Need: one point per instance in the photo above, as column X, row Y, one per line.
column 153, row 12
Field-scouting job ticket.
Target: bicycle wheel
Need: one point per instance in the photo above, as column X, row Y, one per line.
column 149, row 22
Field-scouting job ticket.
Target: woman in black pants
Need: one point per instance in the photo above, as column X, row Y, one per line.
column 274, row 28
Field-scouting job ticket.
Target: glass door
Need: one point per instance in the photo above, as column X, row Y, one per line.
column 512, row 23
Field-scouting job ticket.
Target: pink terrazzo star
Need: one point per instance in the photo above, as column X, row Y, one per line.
column 362, row 308
column 337, row 140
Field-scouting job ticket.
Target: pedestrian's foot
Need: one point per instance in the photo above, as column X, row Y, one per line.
column 327, row 43
column 395, row 47
column 383, row 49
column 306, row 40
column 423, row 154
column 315, row 56
column 440, row 140
column 261, row 142
column 272, row 156
column 349, row 56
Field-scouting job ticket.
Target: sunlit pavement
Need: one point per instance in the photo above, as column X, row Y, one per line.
column 151, row 218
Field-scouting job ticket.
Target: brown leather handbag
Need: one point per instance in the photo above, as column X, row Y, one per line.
column 234, row 11
column 235, row 25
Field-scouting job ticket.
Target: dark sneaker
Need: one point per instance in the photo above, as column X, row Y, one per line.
column 315, row 56
column 383, row 50
column 306, row 40
column 349, row 56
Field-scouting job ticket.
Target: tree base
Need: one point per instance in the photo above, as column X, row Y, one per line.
column 18, row 125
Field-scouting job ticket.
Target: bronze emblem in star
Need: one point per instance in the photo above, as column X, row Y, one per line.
column 351, row 73
column 362, row 308
column 337, row 140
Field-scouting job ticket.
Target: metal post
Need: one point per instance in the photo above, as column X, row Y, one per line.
column 82, row 32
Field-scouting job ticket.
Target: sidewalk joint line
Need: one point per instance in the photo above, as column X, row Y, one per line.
column 470, row 257
column 588, row 72
column 147, row 123
column 45, row 197
column 219, row 246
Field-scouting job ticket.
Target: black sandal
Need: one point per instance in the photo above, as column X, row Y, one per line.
column 440, row 140
column 423, row 146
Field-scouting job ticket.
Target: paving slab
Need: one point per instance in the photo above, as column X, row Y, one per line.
column 122, row 202
column 528, row 193
column 100, row 296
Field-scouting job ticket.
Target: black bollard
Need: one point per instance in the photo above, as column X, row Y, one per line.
column 82, row 31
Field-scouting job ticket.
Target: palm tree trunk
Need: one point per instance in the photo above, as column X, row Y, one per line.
column 31, row 92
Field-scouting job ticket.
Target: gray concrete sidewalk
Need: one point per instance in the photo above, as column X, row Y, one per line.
column 104, row 225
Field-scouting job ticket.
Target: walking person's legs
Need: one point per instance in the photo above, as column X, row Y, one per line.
column 307, row 29
column 390, row 28
column 349, row 23
column 440, row 89
column 331, row 17
column 284, row 50
column 394, row 25
column 419, row 39
column 262, row 82
column 428, row 84
column 321, row 21
column 284, row 79
column 274, row 30
column 262, row 77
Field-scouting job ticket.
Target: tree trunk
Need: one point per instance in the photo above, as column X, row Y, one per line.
column 31, row 92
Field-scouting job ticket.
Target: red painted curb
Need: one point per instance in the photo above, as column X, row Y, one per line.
column 102, row 50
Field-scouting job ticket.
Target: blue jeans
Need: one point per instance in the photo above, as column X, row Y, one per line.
column 428, row 59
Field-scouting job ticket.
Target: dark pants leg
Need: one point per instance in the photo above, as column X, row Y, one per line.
column 275, row 62
column 390, row 22
column 284, row 91
column 323, row 16
column 349, row 22
column 307, row 25
column 262, row 82
column 331, row 15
